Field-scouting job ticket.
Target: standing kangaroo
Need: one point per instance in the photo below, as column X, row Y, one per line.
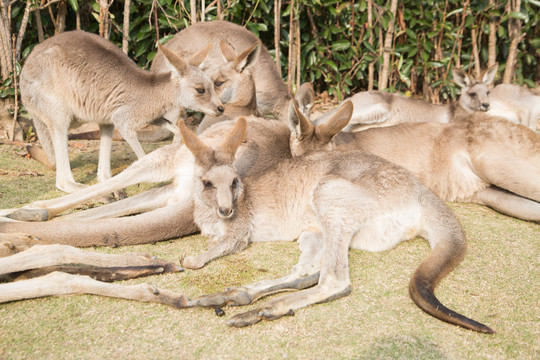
column 79, row 77
column 330, row 202
column 376, row 109
column 272, row 94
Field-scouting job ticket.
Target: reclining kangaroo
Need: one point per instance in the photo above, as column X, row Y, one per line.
column 78, row 77
column 272, row 94
column 480, row 159
column 376, row 109
column 330, row 202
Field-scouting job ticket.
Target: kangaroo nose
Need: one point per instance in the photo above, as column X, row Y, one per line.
column 225, row 212
column 220, row 109
column 485, row 106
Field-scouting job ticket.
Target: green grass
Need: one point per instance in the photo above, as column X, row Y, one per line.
column 497, row 283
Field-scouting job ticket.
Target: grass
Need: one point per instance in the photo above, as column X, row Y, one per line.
column 496, row 284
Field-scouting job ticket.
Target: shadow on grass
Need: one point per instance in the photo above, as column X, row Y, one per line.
column 402, row 347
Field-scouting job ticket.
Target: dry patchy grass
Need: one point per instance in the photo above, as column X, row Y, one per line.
column 497, row 284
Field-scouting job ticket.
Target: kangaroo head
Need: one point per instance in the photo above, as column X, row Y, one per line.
column 307, row 138
column 474, row 92
column 195, row 89
column 233, row 80
column 217, row 184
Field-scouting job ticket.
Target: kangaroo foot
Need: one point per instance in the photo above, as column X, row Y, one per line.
column 233, row 296
column 29, row 215
column 254, row 316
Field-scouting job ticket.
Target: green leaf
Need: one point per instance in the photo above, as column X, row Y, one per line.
column 74, row 5
column 341, row 45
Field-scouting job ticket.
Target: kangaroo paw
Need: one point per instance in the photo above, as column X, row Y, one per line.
column 254, row 316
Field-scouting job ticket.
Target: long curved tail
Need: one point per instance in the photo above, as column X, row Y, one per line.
column 170, row 222
column 448, row 251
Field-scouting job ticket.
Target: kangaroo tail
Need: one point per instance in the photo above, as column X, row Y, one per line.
column 449, row 246
column 162, row 224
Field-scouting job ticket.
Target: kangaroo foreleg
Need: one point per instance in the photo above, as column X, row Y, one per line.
column 59, row 283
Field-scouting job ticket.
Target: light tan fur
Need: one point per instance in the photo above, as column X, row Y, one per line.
column 515, row 103
column 77, row 77
column 29, row 270
column 376, row 109
column 272, row 94
column 480, row 159
column 331, row 202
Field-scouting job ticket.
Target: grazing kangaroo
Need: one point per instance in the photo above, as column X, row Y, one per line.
column 515, row 103
column 376, row 109
column 330, row 202
column 480, row 159
column 29, row 270
column 272, row 94
column 77, row 77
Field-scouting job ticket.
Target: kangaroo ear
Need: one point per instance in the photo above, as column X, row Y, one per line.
column 336, row 123
column 248, row 57
column 174, row 60
column 489, row 75
column 305, row 96
column 197, row 58
column 461, row 77
column 298, row 123
column 233, row 141
column 227, row 51
column 203, row 154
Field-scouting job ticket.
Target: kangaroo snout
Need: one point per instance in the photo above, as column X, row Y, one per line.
column 485, row 106
column 225, row 213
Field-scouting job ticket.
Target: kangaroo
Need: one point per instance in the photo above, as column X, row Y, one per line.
column 272, row 94
column 79, row 77
column 330, row 202
column 376, row 109
column 480, row 159
column 515, row 103
column 29, row 270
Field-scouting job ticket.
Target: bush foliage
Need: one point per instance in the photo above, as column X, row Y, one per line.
column 430, row 36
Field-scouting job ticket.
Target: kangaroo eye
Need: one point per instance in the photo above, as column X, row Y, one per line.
column 200, row 91
column 218, row 83
column 234, row 184
column 207, row 184
column 472, row 94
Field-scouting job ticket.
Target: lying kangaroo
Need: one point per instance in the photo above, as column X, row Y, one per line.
column 29, row 270
column 480, row 159
column 330, row 202
column 376, row 109
column 272, row 94
column 78, row 77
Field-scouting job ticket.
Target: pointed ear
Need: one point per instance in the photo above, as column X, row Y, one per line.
column 227, row 51
column 489, row 75
column 197, row 58
column 336, row 123
column 461, row 77
column 233, row 140
column 305, row 96
column 174, row 60
column 298, row 123
column 248, row 57
column 201, row 152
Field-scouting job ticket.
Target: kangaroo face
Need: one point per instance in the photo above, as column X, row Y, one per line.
column 474, row 92
column 197, row 93
column 232, row 86
column 220, row 188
